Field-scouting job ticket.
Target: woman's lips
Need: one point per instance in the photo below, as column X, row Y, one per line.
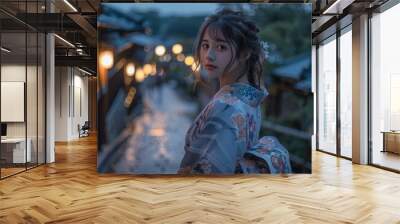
column 210, row 67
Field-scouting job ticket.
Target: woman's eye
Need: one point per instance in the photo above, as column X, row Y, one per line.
column 221, row 47
column 204, row 46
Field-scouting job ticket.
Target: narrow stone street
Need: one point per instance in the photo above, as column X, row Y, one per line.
column 156, row 143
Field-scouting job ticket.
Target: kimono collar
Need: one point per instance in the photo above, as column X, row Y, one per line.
column 245, row 92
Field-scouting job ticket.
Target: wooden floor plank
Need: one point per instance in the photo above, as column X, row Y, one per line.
column 71, row 191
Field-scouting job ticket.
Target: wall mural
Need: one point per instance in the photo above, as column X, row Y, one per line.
column 204, row 88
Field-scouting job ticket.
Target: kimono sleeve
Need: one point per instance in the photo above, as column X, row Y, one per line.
column 267, row 156
column 213, row 146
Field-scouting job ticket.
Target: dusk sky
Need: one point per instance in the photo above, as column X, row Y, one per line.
column 169, row 9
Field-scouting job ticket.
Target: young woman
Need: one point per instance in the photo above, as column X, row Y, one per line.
column 224, row 137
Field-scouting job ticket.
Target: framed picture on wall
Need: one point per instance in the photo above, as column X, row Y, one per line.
column 12, row 101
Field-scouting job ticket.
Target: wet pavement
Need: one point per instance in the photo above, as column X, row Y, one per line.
column 154, row 143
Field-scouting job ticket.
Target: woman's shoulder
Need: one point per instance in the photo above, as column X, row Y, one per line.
column 224, row 106
column 242, row 94
column 227, row 97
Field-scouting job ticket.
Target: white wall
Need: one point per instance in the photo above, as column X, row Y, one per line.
column 71, row 94
column 80, row 104
column 61, row 103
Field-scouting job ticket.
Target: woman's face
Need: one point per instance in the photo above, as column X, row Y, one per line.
column 215, row 54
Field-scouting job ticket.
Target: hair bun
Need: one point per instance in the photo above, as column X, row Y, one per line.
column 227, row 11
column 252, row 26
column 230, row 12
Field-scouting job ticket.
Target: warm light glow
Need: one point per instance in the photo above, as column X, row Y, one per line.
column 130, row 69
column 177, row 49
column 130, row 97
column 189, row 60
column 106, row 59
column 160, row 50
column 157, row 132
column 140, row 76
column 180, row 57
column 147, row 69
column 153, row 69
column 195, row 68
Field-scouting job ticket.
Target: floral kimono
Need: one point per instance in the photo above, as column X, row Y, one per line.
column 223, row 139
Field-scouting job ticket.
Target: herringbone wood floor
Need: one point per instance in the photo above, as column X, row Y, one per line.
column 70, row 191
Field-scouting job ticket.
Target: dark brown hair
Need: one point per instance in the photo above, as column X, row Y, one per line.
column 241, row 33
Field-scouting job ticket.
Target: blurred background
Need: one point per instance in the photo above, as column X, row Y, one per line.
column 148, row 95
